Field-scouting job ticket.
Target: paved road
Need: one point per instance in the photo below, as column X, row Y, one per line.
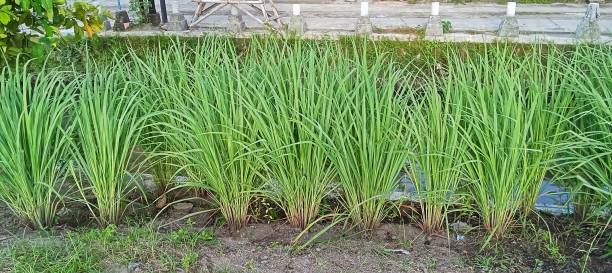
column 473, row 21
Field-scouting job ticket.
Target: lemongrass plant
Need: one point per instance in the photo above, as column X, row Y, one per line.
column 366, row 143
column 34, row 142
column 109, row 126
column 292, row 100
column 516, row 113
column 161, row 75
column 548, row 100
column 212, row 134
column 588, row 154
column 436, row 140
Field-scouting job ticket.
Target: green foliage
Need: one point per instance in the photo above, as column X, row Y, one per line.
column 44, row 19
column 109, row 126
column 366, row 143
column 34, row 142
column 54, row 257
column 210, row 132
column 588, row 151
column 189, row 260
column 185, row 235
column 437, row 150
column 106, row 249
column 287, row 113
column 447, row 26
column 517, row 111
column 298, row 121
column 141, row 9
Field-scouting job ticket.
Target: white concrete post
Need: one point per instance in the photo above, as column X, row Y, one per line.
column 435, row 8
column 236, row 24
column 364, row 9
column 509, row 26
column 511, row 9
column 364, row 25
column 297, row 25
column 175, row 7
column 296, row 9
column 588, row 29
column 434, row 25
column 176, row 20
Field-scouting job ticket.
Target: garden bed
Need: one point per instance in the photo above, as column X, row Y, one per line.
column 273, row 155
column 192, row 246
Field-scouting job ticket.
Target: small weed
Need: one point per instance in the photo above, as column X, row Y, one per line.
column 538, row 266
column 264, row 210
column 180, row 236
column 432, row 264
column 185, row 235
column 555, row 253
column 169, row 261
column 250, row 264
column 485, row 263
column 420, row 31
column 447, row 26
column 550, row 246
column 407, row 244
column 189, row 260
column 223, row 269
column 275, row 244
column 52, row 256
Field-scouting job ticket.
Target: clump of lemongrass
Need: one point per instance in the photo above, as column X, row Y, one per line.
column 108, row 128
column 211, row 132
column 292, row 100
column 587, row 156
column 516, row 114
column 160, row 75
column 366, row 143
column 549, row 102
column 436, row 141
column 34, row 142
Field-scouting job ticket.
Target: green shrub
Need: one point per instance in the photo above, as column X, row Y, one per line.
column 587, row 156
column 292, row 88
column 35, row 134
column 367, row 143
column 45, row 19
column 437, row 149
column 211, row 131
column 517, row 110
column 109, row 126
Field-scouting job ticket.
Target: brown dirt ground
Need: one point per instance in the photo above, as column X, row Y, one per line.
column 394, row 247
column 263, row 248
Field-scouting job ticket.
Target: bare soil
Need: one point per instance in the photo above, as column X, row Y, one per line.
column 394, row 247
column 264, row 248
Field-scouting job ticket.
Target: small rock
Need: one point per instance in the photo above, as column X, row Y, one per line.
column 181, row 179
column 160, row 203
column 185, row 206
column 148, row 183
column 133, row 266
column 63, row 211
column 461, row 227
column 400, row 251
column 116, row 268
